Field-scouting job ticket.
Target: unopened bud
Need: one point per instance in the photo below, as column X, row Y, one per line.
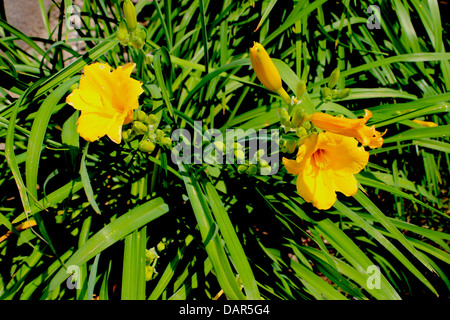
column 284, row 117
column 149, row 270
column 166, row 142
column 298, row 118
column 152, row 119
column 326, row 93
column 160, row 246
column 344, row 93
column 139, row 127
column 129, row 12
column 242, row 168
column 290, row 146
column 334, row 77
column 301, row 88
column 141, row 116
column 240, row 155
column 301, row 132
column 219, row 146
column 146, row 146
column 307, row 125
column 150, row 255
column 139, row 38
column 252, row 169
column 122, row 32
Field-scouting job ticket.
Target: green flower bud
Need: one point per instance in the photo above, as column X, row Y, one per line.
column 128, row 135
column 141, row 116
column 150, row 255
column 152, row 119
column 291, row 145
column 160, row 246
column 301, row 88
column 238, row 146
column 326, row 93
column 265, row 171
column 139, row 127
column 122, row 32
column 149, row 270
column 242, row 168
column 307, row 125
column 159, row 134
column 129, row 12
column 301, row 132
column 344, row 93
column 166, row 142
column 219, row 146
column 334, row 77
column 146, row 146
column 125, row 135
column 298, row 118
column 240, row 155
column 252, row 169
column 284, row 117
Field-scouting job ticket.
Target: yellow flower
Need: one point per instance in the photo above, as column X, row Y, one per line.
column 106, row 99
column 326, row 163
column 266, row 71
column 356, row 128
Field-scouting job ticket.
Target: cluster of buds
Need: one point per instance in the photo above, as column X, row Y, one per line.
column 129, row 31
column 257, row 164
column 151, row 258
column 146, row 126
column 329, row 93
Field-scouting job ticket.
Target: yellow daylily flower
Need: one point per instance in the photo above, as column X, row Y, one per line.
column 356, row 128
column 325, row 164
column 266, row 71
column 107, row 99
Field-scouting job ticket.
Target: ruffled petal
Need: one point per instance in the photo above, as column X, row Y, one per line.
column 92, row 126
column 317, row 186
column 346, row 184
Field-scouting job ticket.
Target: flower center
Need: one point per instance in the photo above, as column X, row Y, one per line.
column 319, row 159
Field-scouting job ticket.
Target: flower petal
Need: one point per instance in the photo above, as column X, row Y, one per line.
column 92, row 126
column 346, row 184
column 317, row 186
column 344, row 155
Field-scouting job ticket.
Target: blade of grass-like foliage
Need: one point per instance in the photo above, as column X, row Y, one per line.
column 266, row 13
column 37, row 133
column 232, row 242
column 87, row 182
column 9, row 28
column 112, row 233
column 439, row 131
column 133, row 273
column 355, row 256
column 367, row 181
column 383, row 241
column 169, row 272
column 384, row 221
column 323, row 287
column 213, row 245
column 93, row 277
column 160, row 77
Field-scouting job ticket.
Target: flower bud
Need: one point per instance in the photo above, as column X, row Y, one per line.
column 291, row 145
column 160, row 246
column 344, row 93
column 301, row 132
column 141, row 116
column 334, row 77
column 252, row 169
column 152, row 119
column 146, row 146
column 326, row 93
column 284, row 117
column 242, row 168
column 139, row 127
column 166, row 142
column 129, row 12
column 301, row 88
column 298, row 118
column 139, row 37
column 264, row 68
column 307, row 125
column 150, row 255
column 149, row 270
column 122, row 32
column 240, row 155
column 219, row 146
